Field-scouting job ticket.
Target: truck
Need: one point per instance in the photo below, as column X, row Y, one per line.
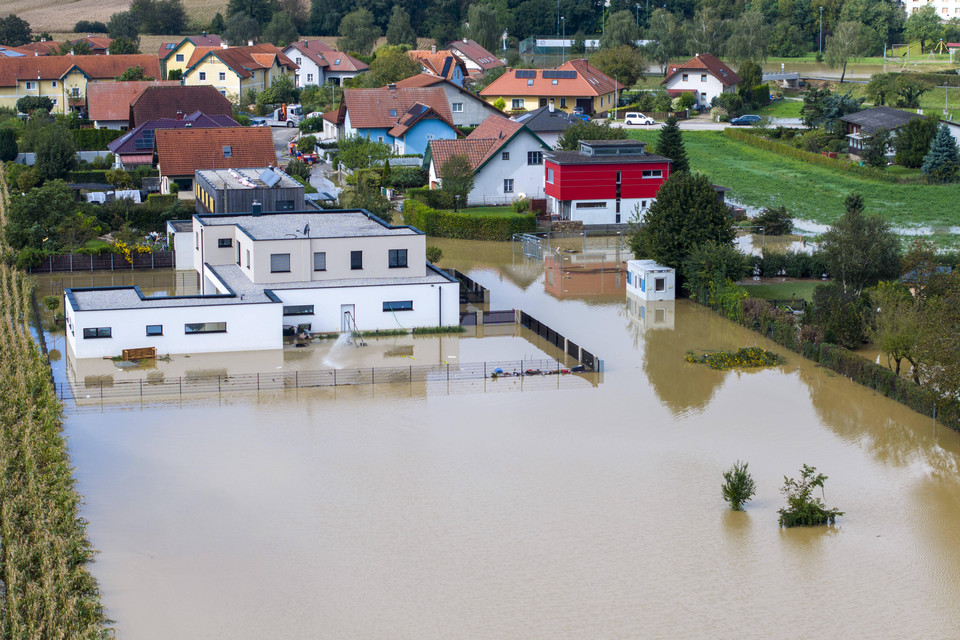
column 286, row 115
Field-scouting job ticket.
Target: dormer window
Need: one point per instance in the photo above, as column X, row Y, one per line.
column 227, row 151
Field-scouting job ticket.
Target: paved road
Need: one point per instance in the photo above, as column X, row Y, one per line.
column 319, row 179
column 702, row 124
column 281, row 137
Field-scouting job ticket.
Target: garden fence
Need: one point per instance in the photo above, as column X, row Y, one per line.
column 105, row 262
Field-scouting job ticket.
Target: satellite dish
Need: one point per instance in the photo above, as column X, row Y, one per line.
column 306, row 229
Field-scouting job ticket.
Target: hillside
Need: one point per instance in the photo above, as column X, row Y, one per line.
column 58, row 15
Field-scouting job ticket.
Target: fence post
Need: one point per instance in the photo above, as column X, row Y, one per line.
column 373, row 372
column 101, row 390
column 141, row 389
column 410, row 379
column 296, row 379
column 258, row 382
column 448, row 372
column 334, row 377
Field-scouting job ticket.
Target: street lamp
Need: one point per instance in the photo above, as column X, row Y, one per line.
column 637, row 5
column 558, row 17
column 820, row 38
column 456, row 199
column 563, row 40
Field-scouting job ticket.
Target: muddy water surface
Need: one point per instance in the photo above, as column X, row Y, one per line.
column 574, row 513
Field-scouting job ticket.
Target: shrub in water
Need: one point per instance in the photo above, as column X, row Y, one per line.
column 738, row 486
column 803, row 509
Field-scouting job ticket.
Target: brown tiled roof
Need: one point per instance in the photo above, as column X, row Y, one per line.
column 55, row 67
column 45, row 48
column 370, row 108
column 111, row 100
column 97, row 43
column 158, row 102
column 310, row 50
column 340, row 61
column 706, row 62
column 588, row 81
column 470, row 49
column 211, row 40
column 244, row 60
column 421, row 80
column 482, row 143
column 180, row 152
column 441, row 63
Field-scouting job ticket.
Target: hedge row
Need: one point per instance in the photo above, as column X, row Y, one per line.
column 160, row 201
column 88, row 175
column 813, row 158
column 95, row 139
column 467, row 226
column 794, row 264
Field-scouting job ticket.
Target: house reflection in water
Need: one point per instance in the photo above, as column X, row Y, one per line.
column 653, row 314
column 584, row 276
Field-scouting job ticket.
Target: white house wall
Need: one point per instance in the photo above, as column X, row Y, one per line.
column 309, row 72
column 527, row 178
column 474, row 111
column 607, row 214
column 711, row 87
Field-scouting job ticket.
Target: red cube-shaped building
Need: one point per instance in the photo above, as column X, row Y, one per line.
column 605, row 182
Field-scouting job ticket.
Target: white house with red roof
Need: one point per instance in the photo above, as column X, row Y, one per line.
column 477, row 59
column 507, row 160
column 703, row 75
column 320, row 63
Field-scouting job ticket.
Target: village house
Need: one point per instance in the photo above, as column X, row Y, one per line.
column 320, row 63
column 574, row 84
column 703, row 75
column 108, row 103
column 467, row 109
column 476, row 59
column 174, row 56
column 181, row 152
column 157, row 102
column 235, row 70
column 236, row 191
column 442, row 64
column 40, row 48
column 136, row 147
column 99, row 45
column 64, row 79
column 605, row 182
column 863, row 124
column 507, row 161
column 406, row 119
column 263, row 275
column 547, row 122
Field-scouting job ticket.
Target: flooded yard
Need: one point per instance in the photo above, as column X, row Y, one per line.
column 568, row 511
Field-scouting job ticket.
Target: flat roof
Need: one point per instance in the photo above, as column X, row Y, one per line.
column 327, row 224
column 575, row 157
column 246, row 179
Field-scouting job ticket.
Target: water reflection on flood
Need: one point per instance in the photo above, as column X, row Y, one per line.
column 545, row 514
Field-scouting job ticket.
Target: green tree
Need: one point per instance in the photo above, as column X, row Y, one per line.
column 500, row 104
column 241, row 29
column 159, row 17
column 803, row 508
column 89, row 26
column 36, row 214
column 282, row 90
column 707, row 31
column 281, row 30
column 367, row 196
column 579, row 45
column 434, row 254
column 133, row 74
column 358, row 32
column 14, row 31
column 399, row 30
column 749, row 38
column 896, row 325
column 623, row 63
column 357, row 152
column 122, row 46
column 942, row 163
column 457, row 177
column 822, row 107
column 842, row 314
column 776, row 221
column 875, row 151
column 76, row 230
column 217, row 24
column 124, row 24
column 670, row 145
column 621, row 29
column 751, row 73
column 909, row 90
column 391, row 65
column 56, row 152
column 74, row 49
column 711, row 264
column 325, row 15
column 860, row 250
column 686, row 213
column 664, row 34
column 119, row 178
column 912, row 142
column 847, row 43
column 8, row 145
column 307, row 144
column 738, row 486
column 923, row 25
column 882, row 86
column 937, row 346
column 260, row 10
column 570, row 139
column 31, row 104
column 484, row 27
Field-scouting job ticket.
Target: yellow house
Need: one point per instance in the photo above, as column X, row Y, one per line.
column 235, row 70
column 576, row 83
column 175, row 56
column 64, row 79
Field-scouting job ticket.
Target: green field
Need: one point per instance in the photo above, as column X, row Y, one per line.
column 802, row 289
column 761, row 178
column 781, row 109
column 505, row 211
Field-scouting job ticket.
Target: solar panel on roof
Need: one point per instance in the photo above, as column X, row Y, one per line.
column 550, row 73
column 269, row 178
column 525, row 73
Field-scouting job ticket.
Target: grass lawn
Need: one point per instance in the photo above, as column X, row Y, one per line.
column 802, row 289
column 505, row 211
column 781, row 109
column 761, row 178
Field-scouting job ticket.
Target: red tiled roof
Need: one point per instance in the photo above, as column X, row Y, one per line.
column 421, row 80
column 97, row 43
column 157, row 102
column 470, row 49
column 706, row 62
column 244, row 60
column 482, row 143
column 370, row 108
column 45, row 48
column 55, row 67
column 589, row 81
column 309, row 49
column 111, row 100
column 180, row 152
column 441, row 63
column 211, row 40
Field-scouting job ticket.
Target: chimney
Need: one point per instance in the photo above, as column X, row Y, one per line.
column 550, row 106
column 108, row 52
column 179, row 114
column 223, row 44
column 464, row 40
column 71, row 51
column 433, row 49
column 255, row 208
column 204, row 34
column 392, row 88
column 249, row 43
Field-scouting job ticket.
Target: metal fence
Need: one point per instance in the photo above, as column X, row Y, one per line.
column 587, row 359
column 106, row 262
column 156, row 386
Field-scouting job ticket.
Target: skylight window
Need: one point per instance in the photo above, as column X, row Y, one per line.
column 337, row 61
column 393, row 113
column 227, row 151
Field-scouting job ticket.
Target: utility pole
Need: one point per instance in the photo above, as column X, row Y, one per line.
column 563, row 40
column 820, row 38
column 637, row 5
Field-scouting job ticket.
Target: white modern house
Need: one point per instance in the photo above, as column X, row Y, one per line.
column 703, row 75
column 263, row 275
column 507, row 160
column 320, row 64
column 648, row 280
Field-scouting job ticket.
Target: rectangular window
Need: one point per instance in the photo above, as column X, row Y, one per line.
column 591, row 205
column 179, row 57
column 222, row 76
column 652, row 173
column 685, row 77
column 508, row 185
column 550, row 176
column 356, row 259
column 196, row 237
column 227, row 151
column 309, row 77
column 563, row 103
column 299, row 61
column 456, row 107
column 203, row 75
column 248, row 258
column 154, row 329
column 398, row 258
column 534, row 157
column 75, row 92
column 298, row 310
column 31, row 85
column 659, row 284
column 517, row 103
column 703, row 77
column 54, row 84
column 224, row 242
column 399, row 305
column 205, row 327
column 320, row 261
column 279, row 263
column 504, row 155
column 98, row 332
column 618, row 177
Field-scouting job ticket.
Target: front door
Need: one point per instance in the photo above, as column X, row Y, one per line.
column 347, row 320
column 543, row 102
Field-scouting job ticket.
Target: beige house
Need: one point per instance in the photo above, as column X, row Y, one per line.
column 234, row 70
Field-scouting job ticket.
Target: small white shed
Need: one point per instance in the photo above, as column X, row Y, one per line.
column 651, row 281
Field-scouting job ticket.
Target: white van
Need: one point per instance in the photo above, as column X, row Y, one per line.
column 637, row 118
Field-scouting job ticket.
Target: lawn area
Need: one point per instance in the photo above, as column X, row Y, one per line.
column 802, row 289
column 505, row 211
column 786, row 108
column 761, row 178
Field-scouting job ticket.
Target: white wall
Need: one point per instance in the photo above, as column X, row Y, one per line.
column 712, row 86
column 307, row 67
column 527, row 178
column 642, row 276
column 608, row 214
column 183, row 249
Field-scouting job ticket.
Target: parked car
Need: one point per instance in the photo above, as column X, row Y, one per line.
column 745, row 120
column 637, row 118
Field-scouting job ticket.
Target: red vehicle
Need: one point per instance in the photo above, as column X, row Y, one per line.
column 308, row 158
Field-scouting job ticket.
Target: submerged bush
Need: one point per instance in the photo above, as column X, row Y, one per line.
column 742, row 357
column 738, row 486
column 803, row 509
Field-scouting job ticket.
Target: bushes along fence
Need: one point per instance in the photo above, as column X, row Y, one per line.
column 465, row 225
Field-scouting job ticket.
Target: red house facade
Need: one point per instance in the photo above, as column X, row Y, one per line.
column 605, row 182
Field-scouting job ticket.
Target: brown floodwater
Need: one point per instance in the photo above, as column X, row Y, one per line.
column 578, row 511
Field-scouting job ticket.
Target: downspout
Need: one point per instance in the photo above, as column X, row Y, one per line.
column 440, row 304
column 203, row 286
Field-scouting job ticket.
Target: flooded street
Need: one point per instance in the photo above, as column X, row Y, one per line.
column 578, row 511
